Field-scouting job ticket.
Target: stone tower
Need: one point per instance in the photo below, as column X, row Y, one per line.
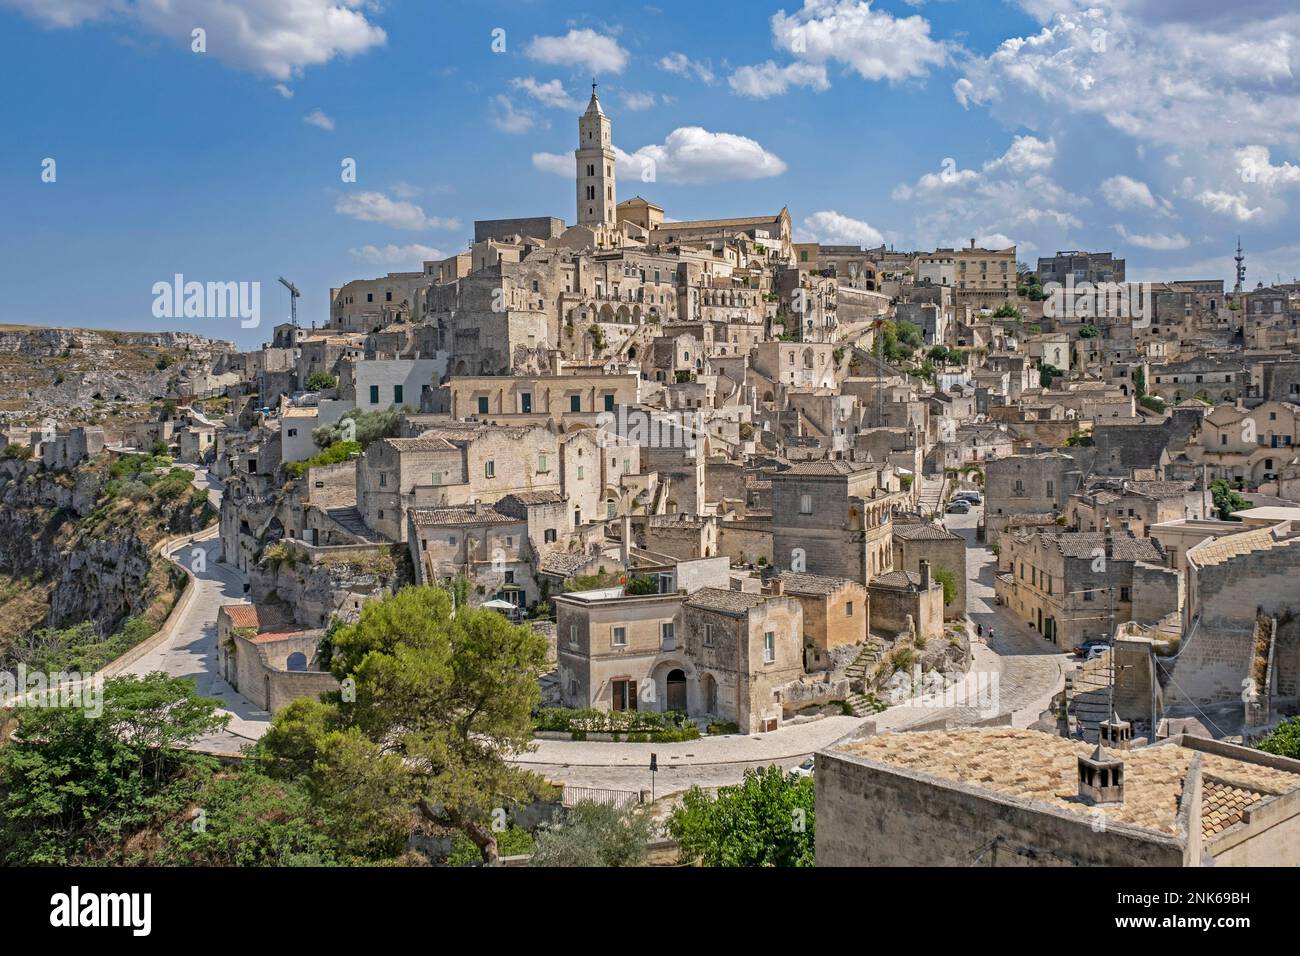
column 597, row 196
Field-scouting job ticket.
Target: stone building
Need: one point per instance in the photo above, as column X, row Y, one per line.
column 1028, row 484
column 747, row 647
column 907, row 603
column 1006, row 797
column 1135, row 505
column 269, row 659
column 835, row 518
column 1241, row 621
column 917, row 542
column 1074, row 586
column 836, row 616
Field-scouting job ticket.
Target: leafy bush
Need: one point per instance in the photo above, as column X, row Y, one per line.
column 660, row 727
column 768, row 820
column 18, row 452
column 338, row 452
column 1284, row 740
column 594, row 834
column 319, row 381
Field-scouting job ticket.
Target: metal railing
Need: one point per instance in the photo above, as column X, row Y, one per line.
column 622, row 799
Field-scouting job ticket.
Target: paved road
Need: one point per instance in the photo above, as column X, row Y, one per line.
column 191, row 651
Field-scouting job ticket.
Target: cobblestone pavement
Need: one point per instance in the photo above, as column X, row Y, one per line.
column 191, row 651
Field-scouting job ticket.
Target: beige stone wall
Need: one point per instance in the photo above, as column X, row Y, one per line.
column 873, row 815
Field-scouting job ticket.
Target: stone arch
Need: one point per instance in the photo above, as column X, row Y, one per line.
column 297, row 661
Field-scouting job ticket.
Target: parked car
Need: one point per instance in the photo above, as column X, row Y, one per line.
column 958, row 506
column 971, row 496
column 1084, row 650
column 1096, row 651
column 804, row 769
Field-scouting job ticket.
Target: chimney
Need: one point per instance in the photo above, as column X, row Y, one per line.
column 1115, row 733
column 776, row 587
column 925, row 576
column 972, row 243
column 625, row 545
column 1101, row 778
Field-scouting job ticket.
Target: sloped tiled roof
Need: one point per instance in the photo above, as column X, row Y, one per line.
column 796, row 582
column 737, row 603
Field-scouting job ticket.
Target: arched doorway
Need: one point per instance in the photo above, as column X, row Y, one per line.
column 710, row 687
column 297, row 662
column 676, row 686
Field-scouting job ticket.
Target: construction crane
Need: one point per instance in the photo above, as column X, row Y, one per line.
column 294, row 296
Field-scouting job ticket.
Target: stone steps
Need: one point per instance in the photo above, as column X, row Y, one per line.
column 860, row 704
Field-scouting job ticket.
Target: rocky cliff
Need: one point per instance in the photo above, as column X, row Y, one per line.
column 76, row 546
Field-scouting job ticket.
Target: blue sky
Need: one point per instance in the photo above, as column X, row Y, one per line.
column 1110, row 124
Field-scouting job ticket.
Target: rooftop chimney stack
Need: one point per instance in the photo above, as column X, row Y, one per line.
column 1101, row 778
column 925, row 575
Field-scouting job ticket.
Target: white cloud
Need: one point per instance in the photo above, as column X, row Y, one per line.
column 1228, row 204
column 1156, row 241
column 1026, row 154
column 551, row 93
column 413, row 255
column 1124, row 192
column 579, row 48
column 1255, row 165
column 283, row 91
column 689, row 154
column 635, row 101
column 399, row 214
column 682, row 65
column 831, row 228
column 874, row 44
column 318, row 118
column 505, row 117
column 768, row 79
column 279, row 39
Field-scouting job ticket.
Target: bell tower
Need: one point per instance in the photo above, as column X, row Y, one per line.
column 597, row 196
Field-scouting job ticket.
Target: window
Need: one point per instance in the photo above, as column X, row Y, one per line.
column 370, row 297
column 575, row 403
column 848, row 609
column 1019, row 490
column 526, row 402
column 541, row 465
column 548, row 536
column 805, row 504
column 580, row 473
column 397, row 394
column 609, row 402
column 383, row 480
column 573, row 636
column 1089, row 595
column 666, row 634
column 625, row 695
column 708, row 635
column 374, row 394
column 293, row 432
column 388, row 297
column 1051, row 489
column 1125, row 594
column 482, row 405
column 489, row 469
column 451, row 540
column 769, row 647
column 620, row 637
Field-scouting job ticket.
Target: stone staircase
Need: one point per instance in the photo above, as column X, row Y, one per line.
column 350, row 520
column 873, row 652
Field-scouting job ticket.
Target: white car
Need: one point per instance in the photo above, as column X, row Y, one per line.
column 804, row 769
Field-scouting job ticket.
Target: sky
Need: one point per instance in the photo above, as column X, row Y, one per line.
column 136, row 149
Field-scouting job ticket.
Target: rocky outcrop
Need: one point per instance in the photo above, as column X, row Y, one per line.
column 102, row 571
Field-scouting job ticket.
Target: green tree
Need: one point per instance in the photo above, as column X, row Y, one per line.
column 1139, row 383
column 1284, row 740
column 248, row 820
column 949, row 582
column 1047, row 372
column 1006, row 311
column 364, row 427
column 1226, row 500
column 75, row 785
column 593, row 834
column 440, row 703
column 320, row 380
column 1089, row 331
column 767, row 820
